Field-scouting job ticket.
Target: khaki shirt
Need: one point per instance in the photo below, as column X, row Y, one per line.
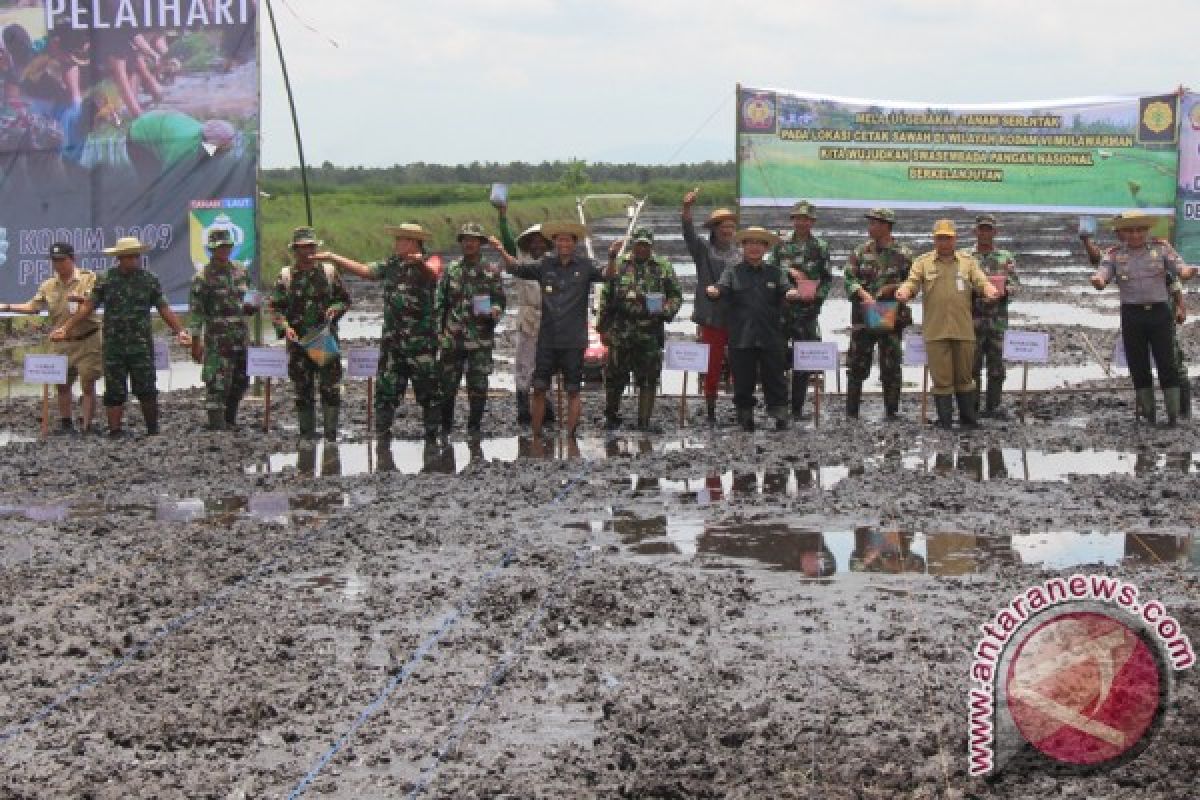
column 1143, row 274
column 52, row 297
column 947, row 284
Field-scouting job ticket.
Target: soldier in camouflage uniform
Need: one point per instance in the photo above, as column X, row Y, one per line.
column 634, row 309
column 991, row 319
column 219, row 302
column 408, row 347
column 470, row 301
column 805, row 258
column 127, row 293
column 874, row 270
column 306, row 298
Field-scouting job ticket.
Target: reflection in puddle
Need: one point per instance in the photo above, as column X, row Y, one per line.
column 276, row 507
column 412, row 457
column 822, row 554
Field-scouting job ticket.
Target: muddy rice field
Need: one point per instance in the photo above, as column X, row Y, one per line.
column 697, row 613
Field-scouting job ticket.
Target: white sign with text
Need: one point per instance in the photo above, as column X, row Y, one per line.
column 162, row 355
column 45, row 369
column 362, row 362
column 914, row 350
column 815, row 356
column 1030, row 347
column 266, row 362
column 687, row 356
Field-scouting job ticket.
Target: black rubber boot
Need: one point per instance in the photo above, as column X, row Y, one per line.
column 1185, row 398
column 549, row 417
column 431, row 413
column 523, row 415
column 646, row 399
column 1171, row 401
column 331, row 415
column 216, row 420
column 384, row 417
column 891, row 402
column 995, row 396
column 745, row 418
column 149, row 406
column 306, row 418
column 1145, row 405
column 448, row 415
column 966, row 409
column 853, row 398
column 232, row 403
column 710, row 405
column 475, row 416
column 944, row 403
column 799, row 393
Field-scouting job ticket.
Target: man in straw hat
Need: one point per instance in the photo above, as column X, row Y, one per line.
column 306, row 300
column 948, row 278
column 873, row 271
column 1142, row 270
column 408, row 345
column 219, row 302
column 529, row 248
column 712, row 257
column 60, row 296
column 805, row 258
column 565, row 277
column 991, row 319
column 471, row 301
column 127, row 294
column 753, row 292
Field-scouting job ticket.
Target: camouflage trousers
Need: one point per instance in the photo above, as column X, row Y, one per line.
column 128, row 360
column 639, row 356
column 989, row 348
column 476, row 362
column 862, row 349
column 397, row 367
column 306, row 376
column 224, row 373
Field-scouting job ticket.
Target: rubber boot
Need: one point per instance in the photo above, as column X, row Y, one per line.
column 782, row 423
column 891, row 402
column 66, row 426
column 114, row 415
column 232, row 403
column 431, row 414
column 1171, row 401
column 306, row 418
column 966, row 409
column 1185, row 398
column 710, row 406
column 216, row 420
column 853, row 398
column 799, row 393
column 523, row 416
column 385, row 415
column 646, row 399
column 475, row 416
column 995, row 396
column 944, row 403
column 1145, row 405
column 448, row 415
column 745, row 418
column 612, row 408
column 549, row 417
column 331, row 414
column 150, row 413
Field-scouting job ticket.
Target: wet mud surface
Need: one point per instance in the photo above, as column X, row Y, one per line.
column 697, row 613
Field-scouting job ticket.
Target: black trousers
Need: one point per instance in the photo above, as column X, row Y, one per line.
column 1149, row 330
column 749, row 366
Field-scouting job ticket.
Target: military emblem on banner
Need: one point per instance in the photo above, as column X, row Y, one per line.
column 204, row 218
column 758, row 112
column 1156, row 119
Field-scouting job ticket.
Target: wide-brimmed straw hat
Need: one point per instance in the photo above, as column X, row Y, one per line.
column 1131, row 220
column 552, row 229
column 407, row 230
column 127, row 246
column 720, row 215
column 757, row 234
column 529, row 233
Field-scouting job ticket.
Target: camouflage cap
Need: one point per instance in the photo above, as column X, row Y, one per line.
column 219, row 237
column 644, row 235
column 61, row 250
column 882, row 214
column 472, row 230
column 803, row 209
column 986, row 219
column 304, row 235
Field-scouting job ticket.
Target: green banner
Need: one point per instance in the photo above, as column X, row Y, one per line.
column 1087, row 156
column 1187, row 229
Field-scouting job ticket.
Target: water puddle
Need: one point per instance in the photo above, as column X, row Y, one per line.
column 345, row 585
column 273, row 507
column 779, row 546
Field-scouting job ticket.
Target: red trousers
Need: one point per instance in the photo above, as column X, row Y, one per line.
column 717, row 339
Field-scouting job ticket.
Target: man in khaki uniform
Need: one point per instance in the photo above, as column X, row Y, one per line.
column 60, row 296
column 948, row 277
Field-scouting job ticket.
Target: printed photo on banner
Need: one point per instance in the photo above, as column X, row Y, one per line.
column 116, row 117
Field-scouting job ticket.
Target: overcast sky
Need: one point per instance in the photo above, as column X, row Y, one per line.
column 452, row 81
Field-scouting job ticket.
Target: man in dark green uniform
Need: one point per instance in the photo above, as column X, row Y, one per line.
column 408, row 346
column 127, row 293
column 219, row 302
column 634, row 309
column 805, row 258
column 873, row 272
column 991, row 319
column 308, row 297
column 470, row 301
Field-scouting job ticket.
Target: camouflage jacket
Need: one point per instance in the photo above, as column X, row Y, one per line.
column 871, row 268
column 127, row 298
column 302, row 299
column 997, row 262
column 457, row 293
column 217, row 304
column 623, row 311
column 810, row 257
column 409, row 303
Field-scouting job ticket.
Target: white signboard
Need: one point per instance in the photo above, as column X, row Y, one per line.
column 1118, row 356
column 1030, row 347
column 266, row 362
column 269, row 505
column 45, row 369
column 687, row 356
column 914, row 350
column 815, row 356
column 162, row 355
column 362, row 362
